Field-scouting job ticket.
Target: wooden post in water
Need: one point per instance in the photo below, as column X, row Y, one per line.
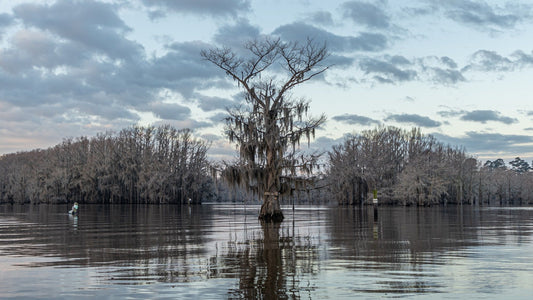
column 375, row 203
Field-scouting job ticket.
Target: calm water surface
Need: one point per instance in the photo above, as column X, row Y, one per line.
column 222, row 251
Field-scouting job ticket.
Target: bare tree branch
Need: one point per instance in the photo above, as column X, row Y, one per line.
column 268, row 129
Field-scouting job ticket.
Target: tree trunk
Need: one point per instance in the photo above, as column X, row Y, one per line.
column 270, row 209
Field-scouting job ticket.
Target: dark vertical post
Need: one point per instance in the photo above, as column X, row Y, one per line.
column 375, row 204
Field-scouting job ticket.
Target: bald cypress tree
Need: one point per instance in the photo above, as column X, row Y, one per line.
column 270, row 125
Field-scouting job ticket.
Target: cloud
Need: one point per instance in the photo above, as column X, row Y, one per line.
column 355, row 119
column 387, row 71
column 450, row 113
column 337, row 45
column 5, row 21
column 398, row 60
column 483, row 116
column 484, row 60
column 522, row 59
column 322, row 18
column 47, row 125
column 181, row 69
column 446, row 76
column 413, row 119
column 207, row 103
column 489, row 143
column 299, row 31
column 33, row 49
column 214, row 8
column 79, row 64
column 450, row 63
column 397, row 68
column 219, row 117
column 482, row 16
column 170, row 111
column 95, row 25
column 39, row 87
column 441, row 70
column 109, row 113
column 491, row 61
column 236, row 35
column 71, row 63
column 367, row 14
column 340, row 61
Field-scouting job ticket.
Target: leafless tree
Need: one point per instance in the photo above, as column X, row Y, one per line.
column 406, row 167
column 139, row 164
column 270, row 126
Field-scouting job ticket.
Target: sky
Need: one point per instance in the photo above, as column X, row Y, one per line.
column 458, row 69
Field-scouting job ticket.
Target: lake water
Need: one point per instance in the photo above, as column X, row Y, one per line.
column 223, row 251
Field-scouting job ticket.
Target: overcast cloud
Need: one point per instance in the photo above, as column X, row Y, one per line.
column 364, row 42
column 368, row 14
column 413, row 119
column 72, row 68
column 481, row 116
column 214, row 8
column 355, row 120
column 484, row 116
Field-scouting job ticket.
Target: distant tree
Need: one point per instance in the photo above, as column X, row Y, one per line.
column 424, row 179
column 364, row 162
column 406, row 167
column 497, row 164
column 519, row 165
column 347, row 183
column 270, row 126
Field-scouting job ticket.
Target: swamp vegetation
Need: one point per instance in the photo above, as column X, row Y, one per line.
column 136, row 165
column 165, row 165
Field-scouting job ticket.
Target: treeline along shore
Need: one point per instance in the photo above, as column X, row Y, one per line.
column 166, row 165
column 409, row 168
column 135, row 165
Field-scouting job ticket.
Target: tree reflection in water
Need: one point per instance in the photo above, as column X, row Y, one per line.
column 316, row 253
column 146, row 244
column 268, row 265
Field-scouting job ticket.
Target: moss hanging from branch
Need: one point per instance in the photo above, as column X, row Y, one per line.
column 268, row 128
